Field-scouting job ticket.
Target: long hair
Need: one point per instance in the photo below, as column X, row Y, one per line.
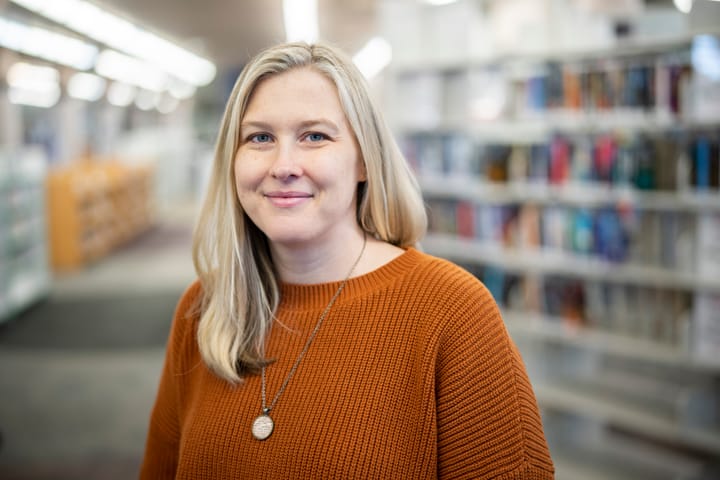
column 232, row 258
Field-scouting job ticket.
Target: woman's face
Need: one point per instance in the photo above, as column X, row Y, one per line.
column 298, row 164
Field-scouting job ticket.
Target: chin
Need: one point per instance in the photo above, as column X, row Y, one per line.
column 285, row 237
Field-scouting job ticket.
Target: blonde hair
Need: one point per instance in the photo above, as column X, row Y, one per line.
column 232, row 258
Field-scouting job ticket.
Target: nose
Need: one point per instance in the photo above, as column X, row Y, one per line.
column 286, row 164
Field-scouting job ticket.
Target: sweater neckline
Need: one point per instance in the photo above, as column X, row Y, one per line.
column 316, row 296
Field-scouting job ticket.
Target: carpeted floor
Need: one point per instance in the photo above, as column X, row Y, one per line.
column 79, row 370
column 118, row 322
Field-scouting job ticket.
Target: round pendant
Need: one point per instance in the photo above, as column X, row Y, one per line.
column 262, row 427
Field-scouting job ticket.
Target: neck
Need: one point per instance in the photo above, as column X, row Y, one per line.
column 317, row 264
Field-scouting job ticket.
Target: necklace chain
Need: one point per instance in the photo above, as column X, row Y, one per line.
column 267, row 408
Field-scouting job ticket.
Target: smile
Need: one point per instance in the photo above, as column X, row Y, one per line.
column 287, row 199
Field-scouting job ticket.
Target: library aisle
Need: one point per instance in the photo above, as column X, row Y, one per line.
column 79, row 369
column 568, row 152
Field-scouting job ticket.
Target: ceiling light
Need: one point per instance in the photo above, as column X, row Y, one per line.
column 373, row 57
column 42, row 43
column 301, row 20
column 32, row 76
column 86, row 86
column 683, row 5
column 167, row 104
column 33, row 85
column 130, row 70
column 439, row 2
column 94, row 22
column 181, row 90
column 31, row 98
column 147, row 100
column 121, row 94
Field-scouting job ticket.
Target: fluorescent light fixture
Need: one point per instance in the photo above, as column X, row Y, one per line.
column 121, row 94
column 86, row 86
column 34, row 77
column 439, row 2
column 42, row 43
column 130, row 70
column 301, row 20
column 683, row 5
column 115, row 32
column 181, row 90
column 34, row 85
column 167, row 104
column 147, row 100
column 31, row 98
column 373, row 57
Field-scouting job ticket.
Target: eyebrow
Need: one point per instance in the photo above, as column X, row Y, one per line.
column 303, row 125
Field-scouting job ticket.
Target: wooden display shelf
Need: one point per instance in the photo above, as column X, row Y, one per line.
column 94, row 206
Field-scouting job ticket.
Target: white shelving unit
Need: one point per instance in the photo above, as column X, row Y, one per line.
column 546, row 262
column 568, row 362
column 24, row 271
column 555, row 330
column 576, row 194
column 636, row 419
column 601, row 455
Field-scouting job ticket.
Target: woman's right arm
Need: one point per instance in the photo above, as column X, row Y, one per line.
column 163, row 439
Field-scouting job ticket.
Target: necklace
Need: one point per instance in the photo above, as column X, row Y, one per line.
column 263, row 425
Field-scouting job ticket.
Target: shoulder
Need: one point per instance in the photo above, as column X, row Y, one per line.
column 191, row 297
column 461, row 307
column 446, row 281
column 188, row 307
column 447, row 299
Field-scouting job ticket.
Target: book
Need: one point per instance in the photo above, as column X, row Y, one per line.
column 555, row 228
column 458, row 156
column 708, row 245
column 611, row 240
column 560, row 158
column 706, row 327
column 604, row 154
column 464, row 219
column 645, row 163
column 705, row 165
column 582, row 231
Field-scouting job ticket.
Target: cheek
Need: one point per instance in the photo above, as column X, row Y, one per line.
column 245, row 175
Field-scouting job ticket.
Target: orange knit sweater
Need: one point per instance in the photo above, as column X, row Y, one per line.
column 411, row 376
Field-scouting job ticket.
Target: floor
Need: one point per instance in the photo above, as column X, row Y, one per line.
column 79, row 369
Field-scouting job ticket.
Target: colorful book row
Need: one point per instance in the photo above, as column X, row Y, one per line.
column 671, row 240
column 646, row 162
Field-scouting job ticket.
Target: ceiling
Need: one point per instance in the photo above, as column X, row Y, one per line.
column 230, row 31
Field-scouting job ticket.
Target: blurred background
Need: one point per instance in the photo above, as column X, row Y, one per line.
column 568, row 151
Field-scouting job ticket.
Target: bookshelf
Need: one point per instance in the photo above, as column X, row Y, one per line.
column 556, row 262
column 95, row 206
column 583, row 189
column 554, row 330
column 24, row 270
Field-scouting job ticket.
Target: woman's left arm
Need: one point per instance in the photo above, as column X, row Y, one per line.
column 489, row 425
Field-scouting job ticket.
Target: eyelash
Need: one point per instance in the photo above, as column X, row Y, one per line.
column 254, row 137
column 322, row 135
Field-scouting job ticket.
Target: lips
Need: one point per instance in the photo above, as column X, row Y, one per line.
column 287, row 199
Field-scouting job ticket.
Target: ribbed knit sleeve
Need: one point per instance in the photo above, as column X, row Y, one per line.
column 163, row 440
column 487, row 415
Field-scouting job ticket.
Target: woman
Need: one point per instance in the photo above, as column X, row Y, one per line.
column 318, row 342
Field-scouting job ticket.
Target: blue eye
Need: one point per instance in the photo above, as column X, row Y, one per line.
column 260, row 138
column 316, row 137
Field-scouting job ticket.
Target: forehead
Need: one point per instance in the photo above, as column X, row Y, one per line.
column 304, row 86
